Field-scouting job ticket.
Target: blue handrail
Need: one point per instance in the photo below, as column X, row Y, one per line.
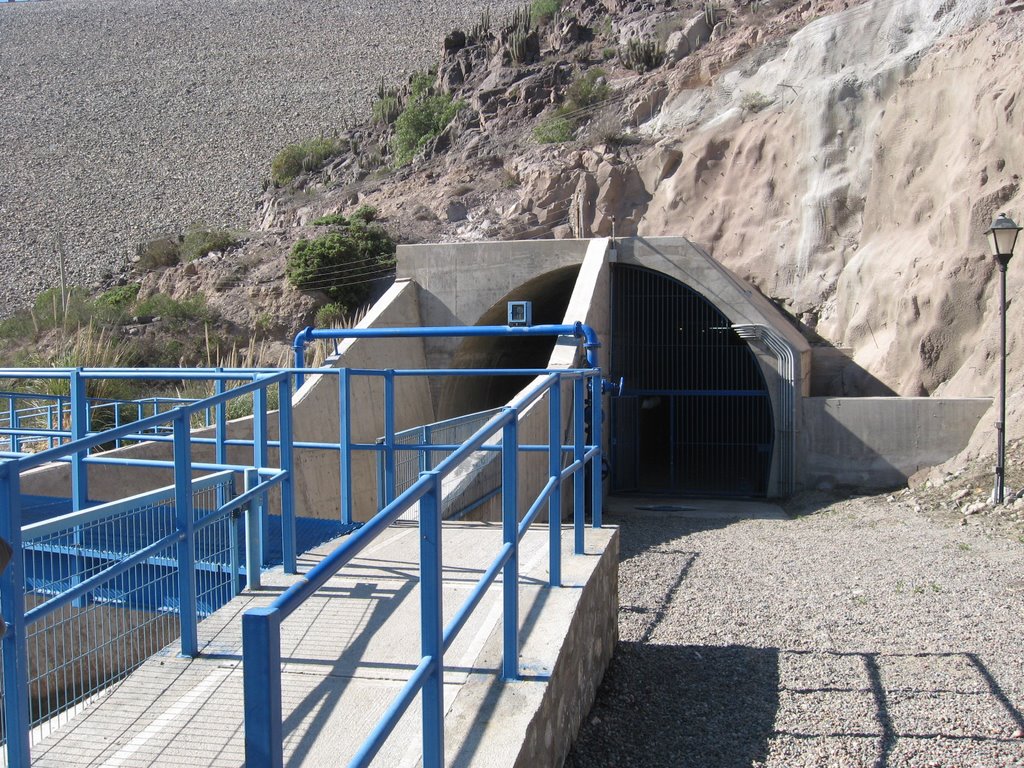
column 261, row 627
column 187, row 525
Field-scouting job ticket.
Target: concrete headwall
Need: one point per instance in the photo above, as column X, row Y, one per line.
column 878, row 442
column 590, row 305
column 461, row 281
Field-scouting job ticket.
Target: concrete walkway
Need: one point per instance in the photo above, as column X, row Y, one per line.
column 346, row 653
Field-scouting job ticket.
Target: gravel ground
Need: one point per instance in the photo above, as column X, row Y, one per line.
column 126, row 119
column 844, row 636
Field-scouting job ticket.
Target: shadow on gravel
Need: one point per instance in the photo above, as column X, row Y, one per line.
column 679, row 706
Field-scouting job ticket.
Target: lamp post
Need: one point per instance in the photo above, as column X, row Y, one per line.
column 1002, row 236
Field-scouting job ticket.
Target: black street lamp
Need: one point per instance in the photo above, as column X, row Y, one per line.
column 1002, row 236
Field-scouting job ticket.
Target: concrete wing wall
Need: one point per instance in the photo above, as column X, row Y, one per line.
column 879, row 442
column 317, row 490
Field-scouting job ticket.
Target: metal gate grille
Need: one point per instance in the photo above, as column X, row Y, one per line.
column 693, row 394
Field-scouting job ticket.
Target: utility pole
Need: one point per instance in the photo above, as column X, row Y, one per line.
column 59, row 247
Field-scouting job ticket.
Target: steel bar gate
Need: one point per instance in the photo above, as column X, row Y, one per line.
column 694, row 416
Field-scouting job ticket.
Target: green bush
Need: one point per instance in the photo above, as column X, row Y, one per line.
column 364, row 213
column 162, row 252
column 587, row 90
column 163, row 306
column 424, row 117
column 331, row 220
column 554, row 130
column 543, row 11
column 343, row 263
column 48, row 312
column 330, row 314
column 199, row 242
column 306, row 156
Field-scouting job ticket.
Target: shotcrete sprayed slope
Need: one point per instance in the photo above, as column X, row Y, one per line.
column 119, row 120
column 860, row 194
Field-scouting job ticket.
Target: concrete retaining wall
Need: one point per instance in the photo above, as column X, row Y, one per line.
column 567, row 639
column 878, row 442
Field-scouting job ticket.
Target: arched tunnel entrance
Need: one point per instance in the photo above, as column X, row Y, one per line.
column 694, row 416
column 550, row 294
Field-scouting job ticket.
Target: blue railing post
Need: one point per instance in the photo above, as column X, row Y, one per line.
column 13, row 421
column 596, row 464
column 578, row 453
column 79, row 429
column 379, row 456
column 432, row 624
column 287, row 463
column 510, row 535
column 345, row 443
column 389, row 436
column 259, row 460
column 221, row 428
column 79, row 470
column 427, row 455
column 186, row 524
column 253, row 534
column 261, row 681
column 555, row 473
column 12, row 598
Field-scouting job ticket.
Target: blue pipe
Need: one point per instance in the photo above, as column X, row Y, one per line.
column 581, row 331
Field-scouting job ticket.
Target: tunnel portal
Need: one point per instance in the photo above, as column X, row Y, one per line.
column 694, row 416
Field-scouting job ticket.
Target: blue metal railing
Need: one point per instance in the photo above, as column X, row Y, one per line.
column 90, row 559
column 261, row 627
column 419, row 449
column 179, row 542
column 34, row 421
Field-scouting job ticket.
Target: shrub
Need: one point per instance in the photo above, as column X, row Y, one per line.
column 199, row 242
column 162, row 252
column 425, row 116
column 163, row 306
column 113, row 306
column 48, row 311
column 587, row 90
column 343, row 263
column 306, row 156
column 331, row 220
column 554, row 130
column 542, row 11
column 755, row 101
column 330, row 314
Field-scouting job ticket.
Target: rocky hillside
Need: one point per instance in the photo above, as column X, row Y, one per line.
column 845, row 160
column 843, row 157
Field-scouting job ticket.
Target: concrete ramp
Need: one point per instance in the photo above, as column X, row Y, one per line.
column 349, row 650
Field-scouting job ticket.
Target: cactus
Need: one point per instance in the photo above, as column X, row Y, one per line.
column 519, row 21
column 710, row 14
column 479, row 31
column 517, row 47
column 642, row 55
column 388, row 105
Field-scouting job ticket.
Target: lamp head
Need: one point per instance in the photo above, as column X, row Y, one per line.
column 1002, row 237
